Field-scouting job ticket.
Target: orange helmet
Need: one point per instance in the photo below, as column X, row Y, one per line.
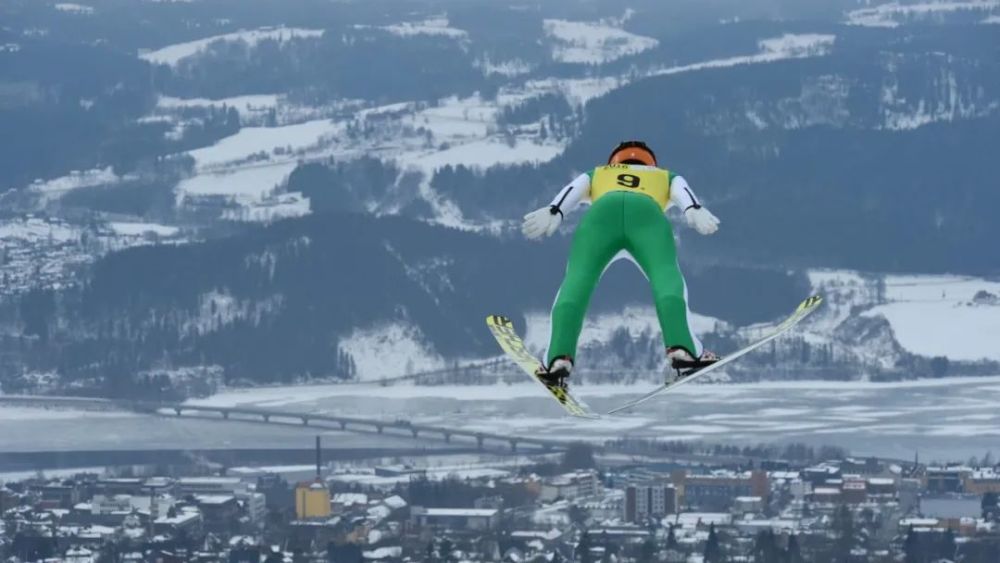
column 632, row 152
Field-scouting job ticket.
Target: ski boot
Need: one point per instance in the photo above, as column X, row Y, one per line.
column 683, row 363
column 557, row 372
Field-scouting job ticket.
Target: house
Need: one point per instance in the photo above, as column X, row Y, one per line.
column 571, row 486
column 455, row 518
column 646, row 501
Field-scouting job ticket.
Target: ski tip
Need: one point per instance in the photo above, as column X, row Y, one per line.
column 811, row 302
column 498, row 320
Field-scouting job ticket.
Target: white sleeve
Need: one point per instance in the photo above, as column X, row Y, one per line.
column 681, row 194
column 570, row 197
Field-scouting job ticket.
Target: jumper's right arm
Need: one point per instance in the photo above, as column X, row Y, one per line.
column 569, row 197
column 545, row 221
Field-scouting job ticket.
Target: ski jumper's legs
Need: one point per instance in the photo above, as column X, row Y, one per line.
column 650, row 240
column 599, row 236
column 621, row 221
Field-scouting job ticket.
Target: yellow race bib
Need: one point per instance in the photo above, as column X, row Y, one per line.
column 653, row 182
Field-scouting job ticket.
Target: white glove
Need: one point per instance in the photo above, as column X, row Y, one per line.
column 541, row 222
column 702, row 220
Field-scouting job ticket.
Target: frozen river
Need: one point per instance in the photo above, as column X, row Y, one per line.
column 947, row 419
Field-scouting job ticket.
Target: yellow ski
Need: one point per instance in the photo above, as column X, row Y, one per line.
column 803, row 310
column 503, row 330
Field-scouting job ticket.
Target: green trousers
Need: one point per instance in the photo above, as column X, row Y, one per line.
column 634, row 223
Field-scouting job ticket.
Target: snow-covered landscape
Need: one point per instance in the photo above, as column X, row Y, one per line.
column 893, row 14
column 593, row 42
column 924, row 311
column 227, row 152
column 174, row 54
column 920, row 314
column 247, row 249
column 453, row 131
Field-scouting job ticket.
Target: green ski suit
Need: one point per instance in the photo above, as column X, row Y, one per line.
column 626, row 215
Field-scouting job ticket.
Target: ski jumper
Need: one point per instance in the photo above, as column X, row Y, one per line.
column 626, row 215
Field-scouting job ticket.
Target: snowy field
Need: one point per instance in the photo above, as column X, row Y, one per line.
column 941, row 316
column 439, row 27
column 247, row 185
column 593, row 42
column 788, row 46
column 892, row 14
column 248, row 166
column 56, row 187
column 173, row 54
column 33, row 229
column 283, row 141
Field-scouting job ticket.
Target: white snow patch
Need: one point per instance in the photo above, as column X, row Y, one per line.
column 593, row 42
column 389, row 350
column 821, row 278
column 945, row 328
column 798, row 44
column 34, row 228
column 788, row 46
column 577, row 91
column 893, row 14
column 246, row 186
column 384, row 553
column 509, row 68
column 172, row 54
column 219, row 308
column 141, row 229
column 937, row 288
column 486, row 153
column 438, row 26
column 935, row 316
column 455, row 119
column 395, row 502
column 79, row 9
column 994, row 19
column 57, row 187
column 280, row 142
column 930, row 315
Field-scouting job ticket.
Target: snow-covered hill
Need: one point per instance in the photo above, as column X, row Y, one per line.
column 868, row 328
column 249, row 167
column 956, row 317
